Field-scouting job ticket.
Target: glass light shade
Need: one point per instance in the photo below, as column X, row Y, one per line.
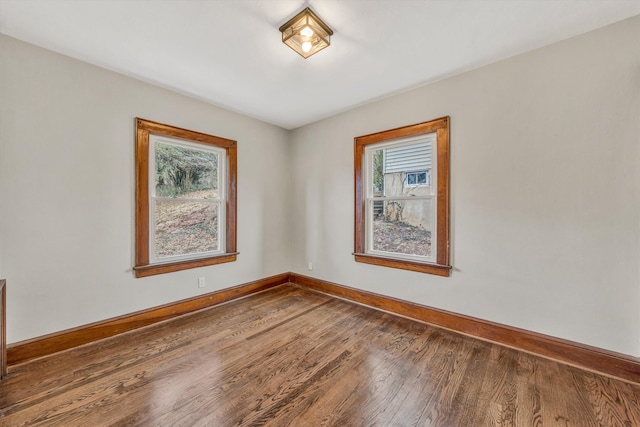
column 296, row 34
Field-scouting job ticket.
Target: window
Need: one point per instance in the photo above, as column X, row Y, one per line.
column 185, row 199
column 402, row 198
column 416, row 178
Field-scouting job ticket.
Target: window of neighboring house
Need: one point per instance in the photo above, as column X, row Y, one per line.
column 185, row 199
column 416, row 178
column 402, row 198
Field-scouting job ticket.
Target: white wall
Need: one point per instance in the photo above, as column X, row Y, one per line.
column 67, row 192
column 545, row 191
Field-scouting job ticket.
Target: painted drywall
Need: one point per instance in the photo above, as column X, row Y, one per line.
column 67, row 190
column 545, row 191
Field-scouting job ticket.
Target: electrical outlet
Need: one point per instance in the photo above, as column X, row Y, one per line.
column 310, row 266
column 202, row 282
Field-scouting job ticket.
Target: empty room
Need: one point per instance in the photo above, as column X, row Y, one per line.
column 320, row 213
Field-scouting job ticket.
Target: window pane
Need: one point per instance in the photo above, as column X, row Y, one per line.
column 186, row 173
column 185, row 227
column 403, row 226
column 400, row 225
column 397, row 167
column 378, row 173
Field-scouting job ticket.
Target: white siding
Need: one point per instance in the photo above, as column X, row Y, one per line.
column 407, row 158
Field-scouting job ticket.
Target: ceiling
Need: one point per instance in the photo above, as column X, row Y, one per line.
column 229, row 52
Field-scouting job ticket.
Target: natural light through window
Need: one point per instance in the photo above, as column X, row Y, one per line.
column 402, row 198
column 401, row 208
column 185, row 199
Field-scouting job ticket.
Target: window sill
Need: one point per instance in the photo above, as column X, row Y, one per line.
column 421, row 267
column 153, row 269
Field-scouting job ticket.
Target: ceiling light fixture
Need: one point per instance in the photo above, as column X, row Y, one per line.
column 306, row 33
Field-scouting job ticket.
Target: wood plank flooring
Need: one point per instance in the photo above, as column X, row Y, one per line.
column 289, row 356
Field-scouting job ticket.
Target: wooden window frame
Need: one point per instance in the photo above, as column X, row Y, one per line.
column 441, row 266
column 145, row 128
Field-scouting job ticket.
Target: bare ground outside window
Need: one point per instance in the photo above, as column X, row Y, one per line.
column 400, row 237
column 185, row 227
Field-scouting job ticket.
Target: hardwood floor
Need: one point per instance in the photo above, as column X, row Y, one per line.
column 290, row 356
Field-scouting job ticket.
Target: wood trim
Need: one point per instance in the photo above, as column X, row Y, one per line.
column 404, row 131
column 443, row 194
column 572, row 353
column 45, row 345
column 144, row 128
column 3, row 328
column 232, row 197
column 441, row 267
column 142, row 195
column 176, row 132
column 404, row 264
column 359, row 201
column 153, row 269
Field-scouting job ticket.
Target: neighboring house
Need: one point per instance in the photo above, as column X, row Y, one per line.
column 407, row 172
